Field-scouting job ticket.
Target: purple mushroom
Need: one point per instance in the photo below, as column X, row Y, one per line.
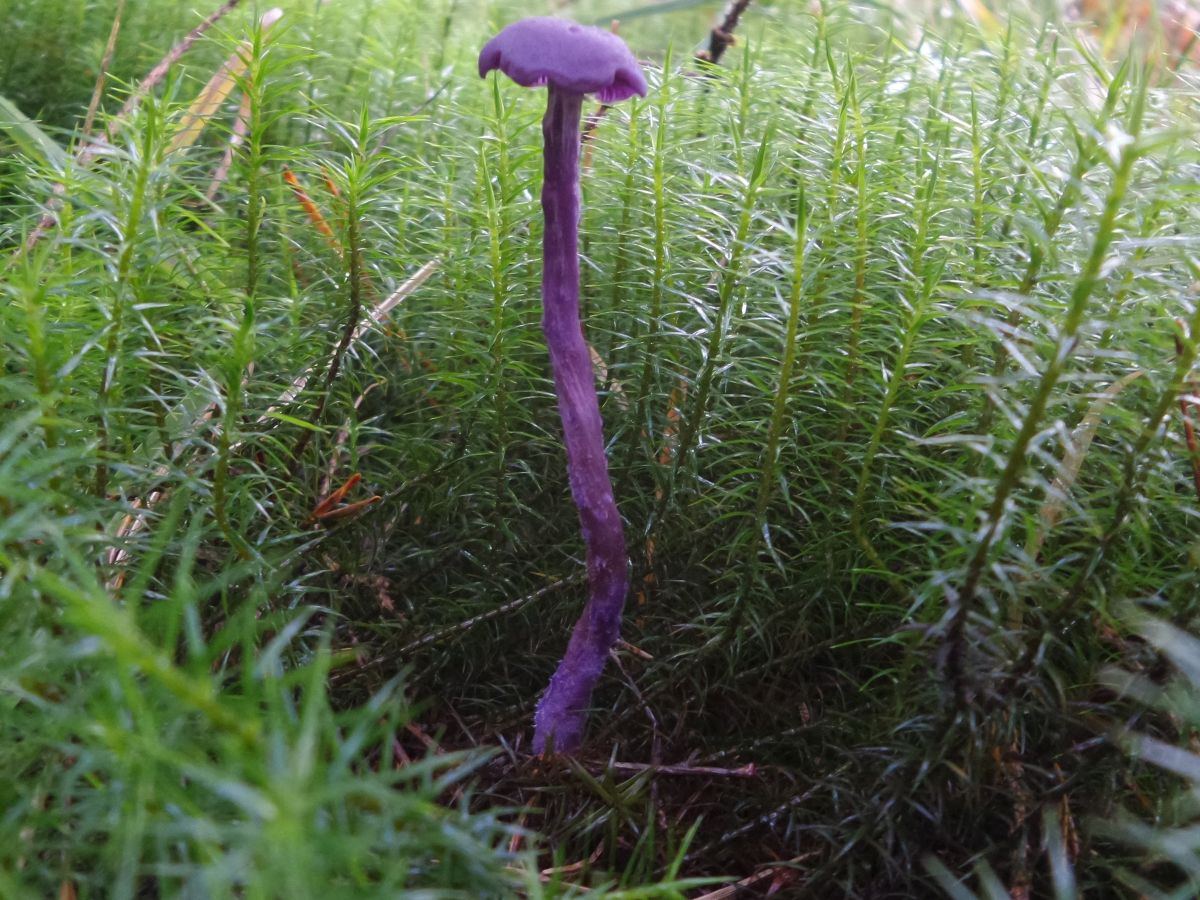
column 572, row 60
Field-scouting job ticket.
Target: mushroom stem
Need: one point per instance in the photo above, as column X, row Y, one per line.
column 562, row 710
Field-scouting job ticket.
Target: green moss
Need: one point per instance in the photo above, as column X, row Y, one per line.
column 852, row 291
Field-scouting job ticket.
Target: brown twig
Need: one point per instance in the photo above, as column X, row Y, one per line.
column 374, row 317
column 102, row 75
column 656, row 743
column 655, row 740
column 355, row 328
column 767, row 820
column 241, row 127
column 1187, row 402
column 470, row 623
column 571, row 868
column 218, row 88
column 87, row 151
column 518, row 836
column 1189, row 432
column 592, row 122
column 747, row 771
column 156, row 74
column 399, row 755
column 780, row 874
column 721, row 37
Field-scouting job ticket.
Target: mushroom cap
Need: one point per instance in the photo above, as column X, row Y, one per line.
column 579, row 58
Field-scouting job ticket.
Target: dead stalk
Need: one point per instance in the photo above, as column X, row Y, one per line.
column 88, row 150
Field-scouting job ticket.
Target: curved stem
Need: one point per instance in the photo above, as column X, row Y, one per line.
column 561, row 713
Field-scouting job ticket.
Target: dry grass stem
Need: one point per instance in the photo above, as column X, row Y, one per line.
column 102, row 75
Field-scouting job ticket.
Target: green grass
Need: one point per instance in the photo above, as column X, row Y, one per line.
column 853, row 290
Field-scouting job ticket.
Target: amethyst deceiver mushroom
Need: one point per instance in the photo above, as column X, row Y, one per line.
column 571, row 61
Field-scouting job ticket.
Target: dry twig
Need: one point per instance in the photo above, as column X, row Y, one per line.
column 779, row 874
column 102, row 75
column 750, row 770
column 721, row 37
column 88, row 151
column 1188, row 402
column 468, row 624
